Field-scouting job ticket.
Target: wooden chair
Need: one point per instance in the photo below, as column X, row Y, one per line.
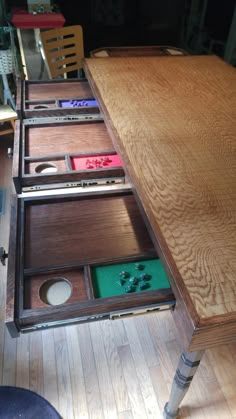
column 7, row 120
column 63, row 49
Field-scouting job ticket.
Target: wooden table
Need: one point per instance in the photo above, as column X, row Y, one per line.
column 173, row 121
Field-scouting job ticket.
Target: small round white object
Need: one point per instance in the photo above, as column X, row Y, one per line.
column 55, row 291
column 46, row 168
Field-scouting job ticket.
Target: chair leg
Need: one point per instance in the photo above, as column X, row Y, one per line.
column 7, row 92
column 12, row 121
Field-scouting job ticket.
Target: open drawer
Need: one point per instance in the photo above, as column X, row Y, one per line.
column 37, row 99
column 64, row 154
column 79, row 258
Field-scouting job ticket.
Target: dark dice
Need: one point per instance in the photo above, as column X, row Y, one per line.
column 133, row 280
column 143, row 285
column 139, row 266
column 124, row 274
column 129, row 288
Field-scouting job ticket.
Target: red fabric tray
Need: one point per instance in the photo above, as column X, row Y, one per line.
column 81, row 162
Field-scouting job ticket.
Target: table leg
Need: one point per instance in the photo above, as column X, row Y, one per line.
column 22, row 54
column 188, row 364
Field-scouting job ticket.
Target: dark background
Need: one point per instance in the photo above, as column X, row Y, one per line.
column 137, row 22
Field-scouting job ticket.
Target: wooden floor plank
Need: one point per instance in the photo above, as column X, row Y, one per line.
column 132, row 383
column 63, row 374
column 23, row 362
column 49, row 368
column 222, row 360
column 9, row 361
column 125, row 415
column 146, row 341
column 2, row 348
column 142, row 370
column 76, row 373
column 90, row 373
column 159, row 386
column 119, row 332
column 103, row 373
column 116, row 372
column 36, row 363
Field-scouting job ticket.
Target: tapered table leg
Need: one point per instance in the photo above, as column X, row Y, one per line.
column 188, row 364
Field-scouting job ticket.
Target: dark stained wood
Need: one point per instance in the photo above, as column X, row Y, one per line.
column 53, row 110
column 73, row 178
column 45, row 95
column 88, row 281
column 57, row 89
column 52, row 142
column 96, row 309
column 38, row 104
column 175, row 131
column 11, row 294
column 17, row 157
column 33, row 284
column 59, row 163
column 83, row 231
column 73, row 138
column 19, row 98
column 59, row 236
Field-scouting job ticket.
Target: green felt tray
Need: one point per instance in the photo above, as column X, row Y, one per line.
column 105, row 279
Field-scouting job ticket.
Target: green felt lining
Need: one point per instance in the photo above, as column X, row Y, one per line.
column 105, row 279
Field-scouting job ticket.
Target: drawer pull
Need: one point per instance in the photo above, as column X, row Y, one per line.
column 3, row 256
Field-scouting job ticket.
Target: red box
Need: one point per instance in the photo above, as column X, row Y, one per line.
column 23, row 20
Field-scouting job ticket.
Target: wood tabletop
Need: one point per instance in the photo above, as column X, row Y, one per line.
column 173, row 121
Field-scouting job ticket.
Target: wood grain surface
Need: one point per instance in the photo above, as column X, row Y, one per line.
column 42, row 141
column 173, row 121
column 57, row 90
column 83, row 230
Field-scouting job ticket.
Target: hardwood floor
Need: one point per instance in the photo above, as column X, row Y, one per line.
column 111, row 369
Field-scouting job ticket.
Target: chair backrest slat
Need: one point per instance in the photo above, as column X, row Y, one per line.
column 58, row 44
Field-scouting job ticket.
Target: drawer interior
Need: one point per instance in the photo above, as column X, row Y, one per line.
column 55, row 98
column 37, row 287
column 51, row 165
column 85, row 256
column 82, row 231
column 38, row 105
column 65, row 139
column 57, row 90
column 128, row 277
column 93, row 282
column 66, row 154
